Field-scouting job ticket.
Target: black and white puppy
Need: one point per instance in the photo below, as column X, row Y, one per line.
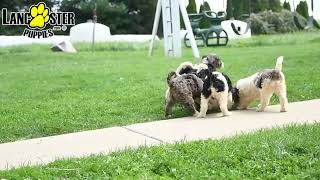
column 216, row 91
column 216, row 86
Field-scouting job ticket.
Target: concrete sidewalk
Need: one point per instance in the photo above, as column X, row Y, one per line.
column 48, row 149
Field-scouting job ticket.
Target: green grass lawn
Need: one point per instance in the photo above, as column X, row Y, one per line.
column 289, row 153
column 44, row 93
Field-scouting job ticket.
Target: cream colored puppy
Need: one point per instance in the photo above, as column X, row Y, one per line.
column 263, row 85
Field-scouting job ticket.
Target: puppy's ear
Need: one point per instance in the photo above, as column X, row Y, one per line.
column 205, row 59
column 170, row 77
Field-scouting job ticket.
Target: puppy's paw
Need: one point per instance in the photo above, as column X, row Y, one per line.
column 168, row 116
column 228, row 113
column 196, row 114
column 201, row 115
column 283, row 109
column 260, row 110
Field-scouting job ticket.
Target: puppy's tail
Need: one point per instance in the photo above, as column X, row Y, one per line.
column 185, row 68
column 170, row 78
column 279, row 63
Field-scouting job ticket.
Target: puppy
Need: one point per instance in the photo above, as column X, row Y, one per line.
column 182, row 89
column 262, row 85
column 217, row 88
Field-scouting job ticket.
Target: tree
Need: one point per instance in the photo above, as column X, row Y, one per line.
column 121, row 16
column 286, row 5
column 229, row 9
column 192, row 8
column 114, row 15
column 274, row 5
column 141, row 14
column 302, row 9
column 205, row 23
column 239, row 8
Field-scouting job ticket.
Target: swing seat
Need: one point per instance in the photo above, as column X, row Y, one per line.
column 215, row 35
column 199, row 34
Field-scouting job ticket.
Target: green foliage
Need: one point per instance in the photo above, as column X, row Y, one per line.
column 289, row 153
column 140, row 16
column 230, row 9
column 282, row 22
column 205, row 23
column 113, row 15
column 274, row 5
column 122, row 16
column 240, row 8
column 191, row 8
column 286, row 5
column 302, row 9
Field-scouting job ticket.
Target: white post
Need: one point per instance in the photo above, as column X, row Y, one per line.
column 186, row 21
column 94, row 19
column 175, row 16
column 167, row 28
column 155, row 27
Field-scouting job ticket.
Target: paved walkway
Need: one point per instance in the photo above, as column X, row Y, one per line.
column 48, row 149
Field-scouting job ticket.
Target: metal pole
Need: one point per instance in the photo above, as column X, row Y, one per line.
column 294, row 8
column 175, row 17
column 187, row 24
column 94, row 19
column 155, row 27
column 312, row 9
column 311, row 14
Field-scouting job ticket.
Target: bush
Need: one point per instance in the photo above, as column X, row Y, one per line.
column 267, row 22
column 257, row 25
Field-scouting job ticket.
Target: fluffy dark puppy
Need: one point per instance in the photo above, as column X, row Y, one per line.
column 182, row 89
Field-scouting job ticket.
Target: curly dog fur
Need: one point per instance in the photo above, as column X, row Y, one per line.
column 182, row 89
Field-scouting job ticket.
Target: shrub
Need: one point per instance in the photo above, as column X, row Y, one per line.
column 274, row 22
column 257, row 25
